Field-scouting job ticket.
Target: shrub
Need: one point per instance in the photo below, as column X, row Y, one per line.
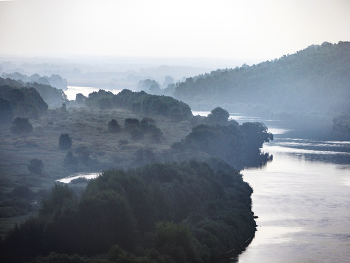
column 64, row 142
column 21, row 125
column 113, row 126
column 6, row 114
column 35, row 166
column 218, row 116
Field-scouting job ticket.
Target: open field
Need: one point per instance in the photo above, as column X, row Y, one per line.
column 88, row 129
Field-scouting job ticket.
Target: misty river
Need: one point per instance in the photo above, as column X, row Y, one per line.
column 302, row 199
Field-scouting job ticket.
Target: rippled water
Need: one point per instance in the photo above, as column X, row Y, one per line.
column 302, row 199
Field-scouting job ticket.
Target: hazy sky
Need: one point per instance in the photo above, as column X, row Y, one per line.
column 235, row 29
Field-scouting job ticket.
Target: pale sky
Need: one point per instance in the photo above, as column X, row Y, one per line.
column 235, row 29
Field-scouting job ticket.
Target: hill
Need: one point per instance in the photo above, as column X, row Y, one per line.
column 315, row 79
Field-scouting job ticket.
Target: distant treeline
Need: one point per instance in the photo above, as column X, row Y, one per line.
column 55, row 80
column 315, row 79
column 238, row 145
column 174, row 212
column 23, row 102
column 139, row 102
column 51, row 95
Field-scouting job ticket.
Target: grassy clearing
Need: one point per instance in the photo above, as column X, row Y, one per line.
column 87, row 127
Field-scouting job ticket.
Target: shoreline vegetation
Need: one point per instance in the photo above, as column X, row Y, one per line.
column 155, row 146
column 170, row 189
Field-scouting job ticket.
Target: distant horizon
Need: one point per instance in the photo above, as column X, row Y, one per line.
column 198, row 62
column 249, row 31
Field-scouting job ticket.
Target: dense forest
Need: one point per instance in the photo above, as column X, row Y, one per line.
column 139, row 102
column 173, row 212
column 53, row 97
column 153, row 203
column 314, row 80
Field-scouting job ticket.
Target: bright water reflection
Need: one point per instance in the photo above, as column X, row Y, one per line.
column 72, row 91
column 88, row 176
column 302, row 203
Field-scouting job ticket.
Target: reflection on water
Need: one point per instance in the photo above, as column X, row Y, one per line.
column 302, row 200
column 72, row 91
column 68, row 179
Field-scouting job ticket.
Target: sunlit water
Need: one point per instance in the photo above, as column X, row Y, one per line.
column 72, row 91
column 88, row 176
column 302, row 199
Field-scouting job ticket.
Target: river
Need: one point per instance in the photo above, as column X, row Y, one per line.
column 302, row 199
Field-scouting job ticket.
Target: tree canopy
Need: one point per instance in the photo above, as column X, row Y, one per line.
column 313, row 79
column 174, row 212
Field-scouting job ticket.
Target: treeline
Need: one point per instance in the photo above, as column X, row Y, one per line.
column 315, row 79
column 238, row 145
column 173, row 212
column 51, row 95
column 22, row 102
column 139, row 102
column 54, row 80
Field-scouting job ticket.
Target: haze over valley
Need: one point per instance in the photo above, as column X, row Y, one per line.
column 174, row 131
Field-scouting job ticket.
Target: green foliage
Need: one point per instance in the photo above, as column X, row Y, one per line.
column 113, row 126
column 101, row 99
column 6, row 114
column 149, row 85
column 64, row 142
column 315, row 78
column 141, row 102
column 179, row 212
column 239, row 146
column 25, row 102
column 35, row 166
column 21, row 126
column 218, row 116
column 80, row 98
column 138, row 129
column 60, row 195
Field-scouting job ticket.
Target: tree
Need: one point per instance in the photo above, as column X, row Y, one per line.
column 35, row 166
column 113, row 126
column 21, row 126
column 6, row 114
column 65, row 142
column 80, row 98
column 218, row 116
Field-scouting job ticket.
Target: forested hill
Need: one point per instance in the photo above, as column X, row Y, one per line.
column 314, row 79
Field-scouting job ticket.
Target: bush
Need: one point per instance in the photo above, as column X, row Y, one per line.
column 6, row 114
column 21, row 126
column 113, row 126
column 64, row 142
column 35, row 166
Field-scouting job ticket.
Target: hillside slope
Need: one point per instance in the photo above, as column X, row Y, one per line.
column 314, row 79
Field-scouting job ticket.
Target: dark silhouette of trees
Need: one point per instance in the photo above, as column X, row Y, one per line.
column 175, row 212
column 218, row 116
column 35, row 166
column 80, row 98
column 21, row 126
column 6, row 114
column 113, row 126
column 64, row 142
